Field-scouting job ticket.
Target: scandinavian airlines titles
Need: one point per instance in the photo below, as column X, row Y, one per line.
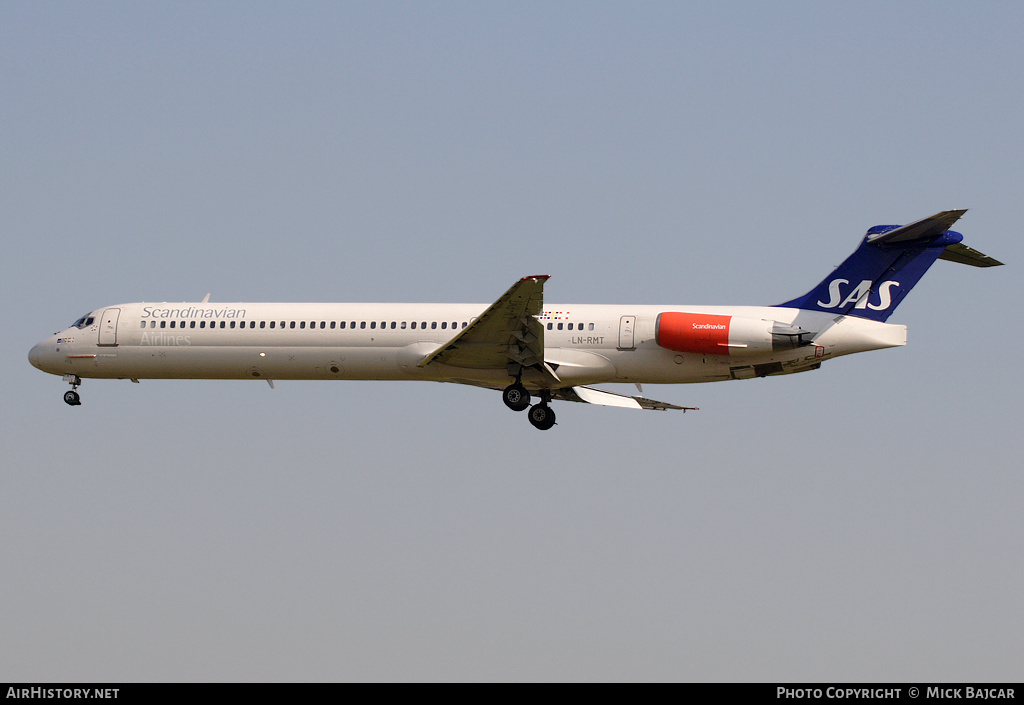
column 192, row 312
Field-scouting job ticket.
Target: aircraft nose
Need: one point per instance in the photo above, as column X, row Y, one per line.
column 35, row 356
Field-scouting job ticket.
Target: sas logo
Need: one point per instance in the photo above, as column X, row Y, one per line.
column 859, row 295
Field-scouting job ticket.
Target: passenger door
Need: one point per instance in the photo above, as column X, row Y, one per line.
column 108, row 326
column 627, row 325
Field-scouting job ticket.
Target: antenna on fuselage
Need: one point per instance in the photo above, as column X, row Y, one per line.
column 206, row 299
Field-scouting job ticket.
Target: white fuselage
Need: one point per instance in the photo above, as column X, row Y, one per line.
column 586, row 344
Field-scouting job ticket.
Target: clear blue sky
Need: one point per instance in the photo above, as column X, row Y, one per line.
column 860, row 522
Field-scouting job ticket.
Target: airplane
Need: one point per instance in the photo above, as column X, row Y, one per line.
column 527, row 349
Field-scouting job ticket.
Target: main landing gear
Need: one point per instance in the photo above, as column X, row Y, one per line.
column 542, row 416
column 517, row 398
column 72, row 398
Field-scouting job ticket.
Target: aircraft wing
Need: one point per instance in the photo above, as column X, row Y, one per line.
column 589, row 395
column 506, row 335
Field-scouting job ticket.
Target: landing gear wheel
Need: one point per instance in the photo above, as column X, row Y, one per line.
column 542, row 417
column 71, row 398
column 516, row 397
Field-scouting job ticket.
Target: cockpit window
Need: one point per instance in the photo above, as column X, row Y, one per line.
column 83, row 322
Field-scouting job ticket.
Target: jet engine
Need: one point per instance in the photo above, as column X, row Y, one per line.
column 712, row 334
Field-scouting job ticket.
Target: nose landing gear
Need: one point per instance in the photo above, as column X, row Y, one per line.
column 72, row 397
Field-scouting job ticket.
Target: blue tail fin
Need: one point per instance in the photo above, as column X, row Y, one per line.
column 872, row 281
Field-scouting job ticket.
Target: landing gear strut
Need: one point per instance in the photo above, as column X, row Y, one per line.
column 72, row 398
column 517, row 398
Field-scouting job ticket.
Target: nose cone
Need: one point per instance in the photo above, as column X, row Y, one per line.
column 35, row 355
column 43, row 356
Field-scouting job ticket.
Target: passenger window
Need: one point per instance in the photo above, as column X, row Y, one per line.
column 403, row 325
column 444, row 325
column 591, row 326
column 163, row 324
column 333, row 323
column 393, row 324
column 263, row 324
column 143, row 325
column 362, row 325
column 464, row 324
column 551, row 326
column 413, row 325
column 291, row 325
column 559, row 326
column 433, row 325
column 232, row 324
column 373, row 325
column 191, row 324
column 324, row 325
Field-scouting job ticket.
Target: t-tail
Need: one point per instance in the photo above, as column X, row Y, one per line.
column 873, row 281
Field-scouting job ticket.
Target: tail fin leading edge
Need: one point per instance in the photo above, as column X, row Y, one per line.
column 891, row 259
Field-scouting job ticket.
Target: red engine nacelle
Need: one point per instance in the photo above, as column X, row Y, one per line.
column 711, row 334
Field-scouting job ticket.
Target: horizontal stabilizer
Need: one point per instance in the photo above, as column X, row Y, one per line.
column 589, row 395
column 923, row 230
column 963, row 254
